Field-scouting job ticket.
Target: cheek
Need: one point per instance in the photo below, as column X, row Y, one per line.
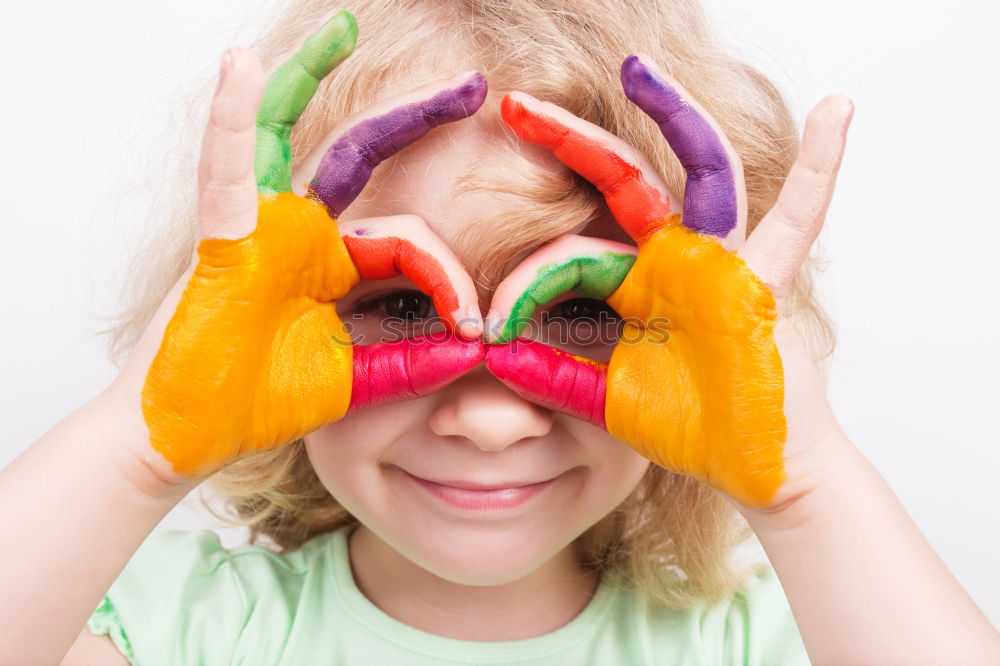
column 346, row 454
column 614, row 469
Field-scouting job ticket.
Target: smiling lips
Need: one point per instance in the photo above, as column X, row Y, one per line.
column 482, row 497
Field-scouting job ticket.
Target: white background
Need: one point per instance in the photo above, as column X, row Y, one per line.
column 911, row 240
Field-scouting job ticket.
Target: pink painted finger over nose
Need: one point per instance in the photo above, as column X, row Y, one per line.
column 552, row 378
column 412, row 367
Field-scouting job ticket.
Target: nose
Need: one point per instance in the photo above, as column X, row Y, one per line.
column 481, row 409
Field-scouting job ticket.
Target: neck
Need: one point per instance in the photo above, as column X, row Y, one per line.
column 536, row 604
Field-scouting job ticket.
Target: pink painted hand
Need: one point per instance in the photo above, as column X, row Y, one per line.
column 247, row 352
column 707, row 379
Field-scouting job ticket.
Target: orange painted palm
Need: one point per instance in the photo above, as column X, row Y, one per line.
column 696, row 382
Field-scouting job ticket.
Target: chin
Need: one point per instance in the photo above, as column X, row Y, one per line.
column 483, row 555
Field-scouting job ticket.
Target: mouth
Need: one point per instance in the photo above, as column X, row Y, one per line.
column 482, row 497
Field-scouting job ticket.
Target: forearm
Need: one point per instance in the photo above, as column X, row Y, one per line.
column 75, row 507
column 862, row 581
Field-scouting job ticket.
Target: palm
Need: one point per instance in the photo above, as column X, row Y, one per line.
column 256, row 330
column 705, row 369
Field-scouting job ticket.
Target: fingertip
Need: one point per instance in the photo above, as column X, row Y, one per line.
column 470, row 323
column 633, row 65
column 472, row 90
column 488, row 318
column 341, row 25
column 844, row 107
column 844, row 102
column 830, row 118
column 514, row 106
column 240, row 73
column 522, row 98
column 836, row 107
column 472, row 85
column 640, row 74
column 495, row 330
column 344, row 18
column 498, row 360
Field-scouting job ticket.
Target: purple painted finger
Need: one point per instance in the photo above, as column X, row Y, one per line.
column 711, row 203
column 348, row 163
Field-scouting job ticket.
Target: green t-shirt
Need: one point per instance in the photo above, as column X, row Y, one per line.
column 184, row 599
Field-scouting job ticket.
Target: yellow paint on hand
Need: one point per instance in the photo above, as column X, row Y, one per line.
column 706, row 400
column 254, row 356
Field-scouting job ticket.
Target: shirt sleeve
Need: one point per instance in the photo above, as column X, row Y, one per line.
column 177, row 601
column 759, row 626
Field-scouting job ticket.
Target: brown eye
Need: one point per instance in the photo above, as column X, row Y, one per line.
column 581, row 310
column 390, row 314
column 585, row 326
column 408, row 305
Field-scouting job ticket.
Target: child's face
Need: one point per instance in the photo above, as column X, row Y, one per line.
column 475, row 431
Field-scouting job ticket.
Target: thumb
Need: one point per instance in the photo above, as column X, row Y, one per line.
column 552, row 378
column 410, row 368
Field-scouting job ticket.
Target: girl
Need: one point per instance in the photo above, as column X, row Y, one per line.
column 434, row 499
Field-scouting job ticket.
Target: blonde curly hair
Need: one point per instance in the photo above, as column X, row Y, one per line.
column 673, row 538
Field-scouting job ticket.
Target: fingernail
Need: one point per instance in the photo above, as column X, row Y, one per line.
column 465, row 76
column 227, row 62
column 492, row 325
column 471, row 323
column 849, row 107
column 522, row 96
column 471, row 329
column 325, row 18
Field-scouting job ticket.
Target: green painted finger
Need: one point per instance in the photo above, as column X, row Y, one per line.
column 591, row 267
column 287, row 93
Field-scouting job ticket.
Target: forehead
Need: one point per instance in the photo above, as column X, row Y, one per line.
column 490, row 197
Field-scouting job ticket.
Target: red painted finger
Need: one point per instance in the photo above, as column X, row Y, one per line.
column 636, row 194
column 410, row 368
column 384, row 247
column 551, row 378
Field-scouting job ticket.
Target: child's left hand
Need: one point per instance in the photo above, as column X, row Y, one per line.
column 708, row 379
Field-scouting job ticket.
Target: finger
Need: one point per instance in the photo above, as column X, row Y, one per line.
column 592, row 267
column 714, row 195
column 289, row 90
column 363, row 141
column 385, row 247
column 781, row 242
column 227, row 195
column 636, row 194
column 409, row 368
column 294, row 46
column 552, row 378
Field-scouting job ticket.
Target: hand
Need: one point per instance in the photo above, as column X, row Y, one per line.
column 708, row 379
column 254, row 355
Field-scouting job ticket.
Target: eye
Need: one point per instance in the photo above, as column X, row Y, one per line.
column 581, row 310
column 585, row 326
column 405, row 304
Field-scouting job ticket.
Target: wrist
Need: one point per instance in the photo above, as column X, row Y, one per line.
column 130, row 453
column 818, row 493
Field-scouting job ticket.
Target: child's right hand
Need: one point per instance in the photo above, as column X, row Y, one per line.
column 246, row 353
